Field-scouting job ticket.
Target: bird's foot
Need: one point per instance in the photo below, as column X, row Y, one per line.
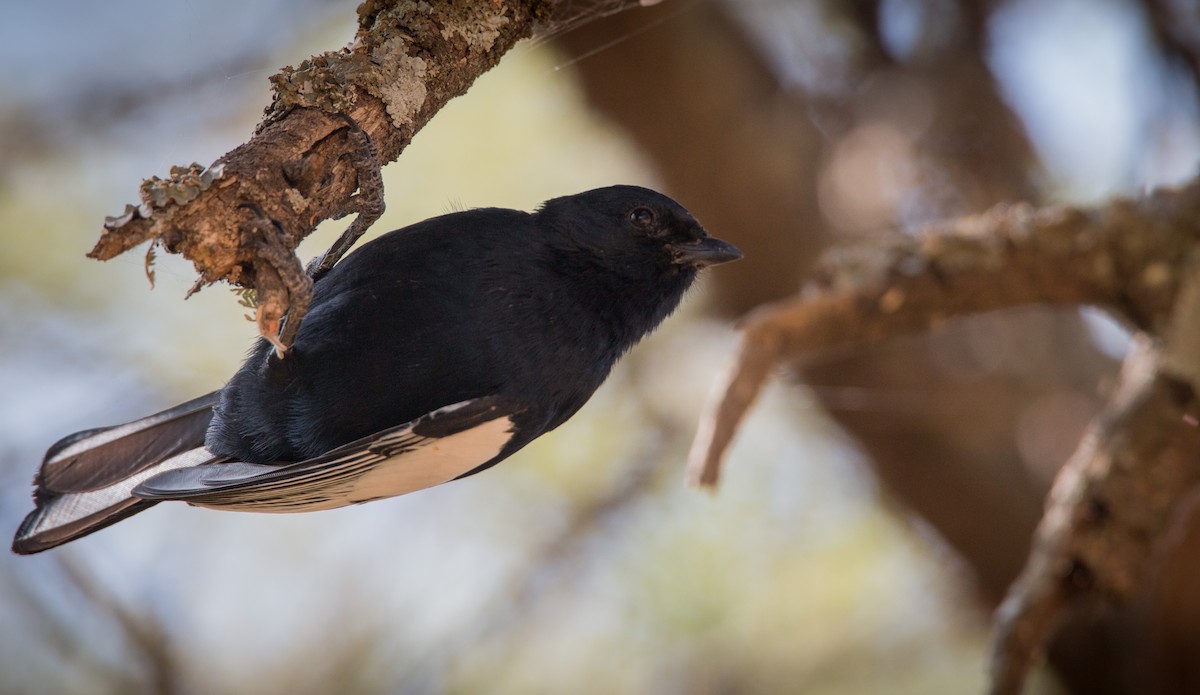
column 282, row 287
column 368, row 204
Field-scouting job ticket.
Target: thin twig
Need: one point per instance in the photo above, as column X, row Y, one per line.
column 517, row 596
column 143, row 632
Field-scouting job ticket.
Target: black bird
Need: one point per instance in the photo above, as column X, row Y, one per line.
column 429, row 354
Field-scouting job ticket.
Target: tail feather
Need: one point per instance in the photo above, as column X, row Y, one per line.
column 86, row 479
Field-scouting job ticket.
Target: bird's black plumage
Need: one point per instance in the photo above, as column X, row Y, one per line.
column 430, row 353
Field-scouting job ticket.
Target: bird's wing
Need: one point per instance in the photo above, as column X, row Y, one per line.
column 446, row 444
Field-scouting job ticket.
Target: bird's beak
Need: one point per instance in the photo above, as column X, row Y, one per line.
column 704, row 252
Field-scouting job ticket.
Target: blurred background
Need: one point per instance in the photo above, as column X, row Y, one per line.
column 874, row 508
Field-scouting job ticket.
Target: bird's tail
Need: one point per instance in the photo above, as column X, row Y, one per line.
column 85, row 480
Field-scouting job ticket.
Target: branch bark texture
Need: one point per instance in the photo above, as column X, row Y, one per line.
column 241, row 218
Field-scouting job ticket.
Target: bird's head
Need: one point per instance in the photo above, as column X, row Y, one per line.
column 634, row 232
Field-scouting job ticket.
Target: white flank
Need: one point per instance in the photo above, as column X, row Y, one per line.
column 433, row 462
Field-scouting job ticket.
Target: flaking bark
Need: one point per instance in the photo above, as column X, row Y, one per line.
column 241, row 219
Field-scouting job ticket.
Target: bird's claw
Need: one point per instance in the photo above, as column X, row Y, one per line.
column 368, row 204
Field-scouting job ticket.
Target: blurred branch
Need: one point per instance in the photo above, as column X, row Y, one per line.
column 753, row 159
column 768, row 125
column 1111, row 505
column 242, row 218
column 145, row 634
column 1176, row 25
column 739, row 150
column 1010, row 256
column 961, row 150
column 515, row 600
column 60, row 634
column 64, row 631
column 1110, row 508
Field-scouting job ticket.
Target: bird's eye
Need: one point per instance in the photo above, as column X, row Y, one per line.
column 641, row 217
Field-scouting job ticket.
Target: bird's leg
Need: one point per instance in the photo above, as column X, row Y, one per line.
column 368, row 204
column 299, row 288
column 281, row 284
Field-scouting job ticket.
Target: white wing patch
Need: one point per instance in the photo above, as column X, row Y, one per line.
column 432, row 462
column 391, row 463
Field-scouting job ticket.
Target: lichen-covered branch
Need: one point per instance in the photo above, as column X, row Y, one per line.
column 241, row 218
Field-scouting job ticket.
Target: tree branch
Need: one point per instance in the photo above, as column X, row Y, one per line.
column 1009, row 256
column 241, row 218
column 1110, row 507
column 1176, row 27
column 1115, row 499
